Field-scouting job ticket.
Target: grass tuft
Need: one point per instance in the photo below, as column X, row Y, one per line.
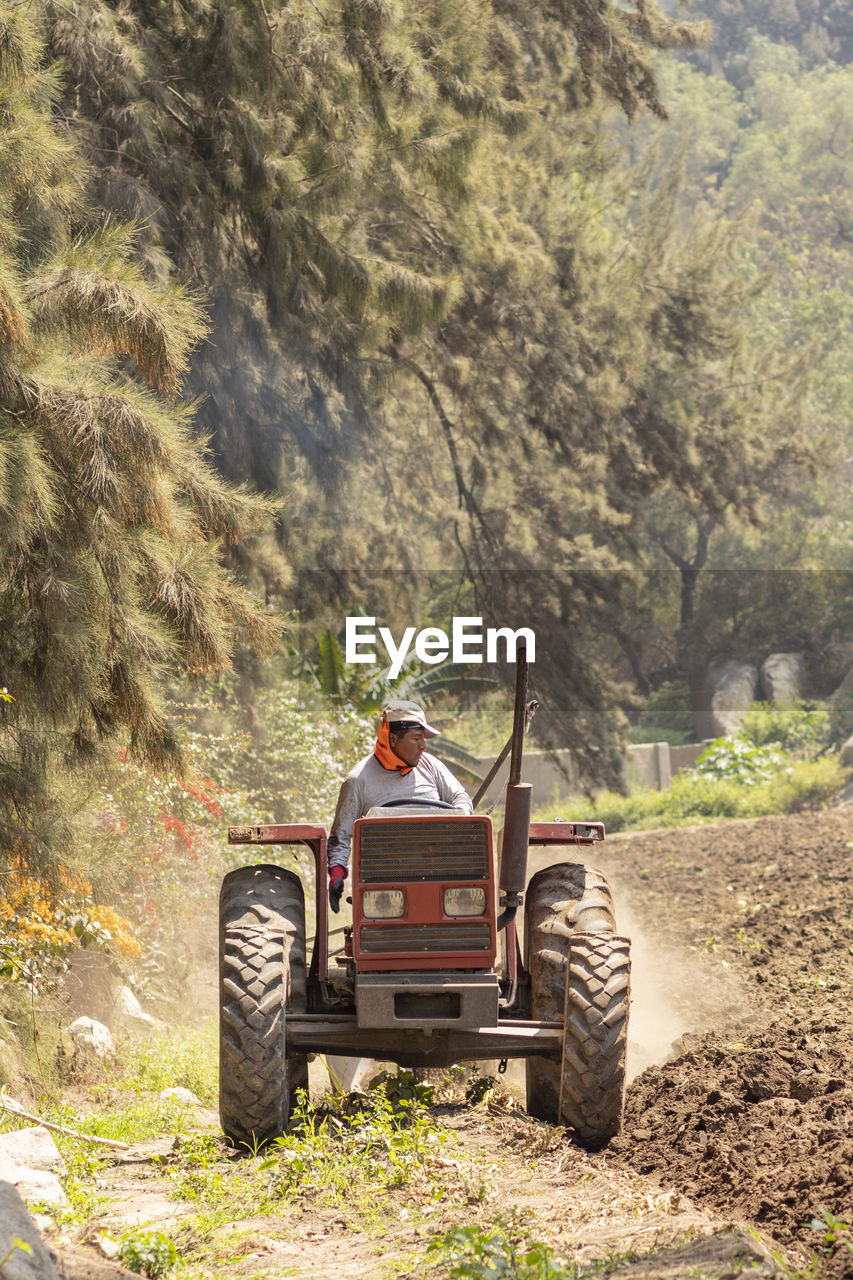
column 186, row 1059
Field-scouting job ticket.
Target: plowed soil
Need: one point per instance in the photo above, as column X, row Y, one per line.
column 749, row 932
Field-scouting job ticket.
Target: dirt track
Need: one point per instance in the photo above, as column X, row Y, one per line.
column 743, row 965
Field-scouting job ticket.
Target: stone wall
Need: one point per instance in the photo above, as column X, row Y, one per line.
column 650, row 764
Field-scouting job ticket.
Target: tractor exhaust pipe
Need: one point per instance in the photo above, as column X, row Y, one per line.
column 519, row 798
column 516, row 831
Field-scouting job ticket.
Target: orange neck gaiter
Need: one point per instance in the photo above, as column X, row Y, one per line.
column 386, row 756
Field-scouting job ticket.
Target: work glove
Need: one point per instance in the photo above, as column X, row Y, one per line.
column 337, row 876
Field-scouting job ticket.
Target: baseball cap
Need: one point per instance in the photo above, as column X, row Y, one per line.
column 409, row 713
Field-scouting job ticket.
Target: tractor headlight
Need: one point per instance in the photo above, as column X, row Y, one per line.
column 383, row 904
column 467, row 901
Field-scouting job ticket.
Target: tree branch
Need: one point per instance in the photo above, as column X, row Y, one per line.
column 466, row 497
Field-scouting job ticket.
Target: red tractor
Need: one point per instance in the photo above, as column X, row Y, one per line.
column 431, row 972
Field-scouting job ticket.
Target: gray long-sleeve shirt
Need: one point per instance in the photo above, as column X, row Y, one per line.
column 370, row 784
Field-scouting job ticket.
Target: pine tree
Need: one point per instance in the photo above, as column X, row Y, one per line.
column 597, row 360
column 111, row 514
column 442, row 324
column 297, row 163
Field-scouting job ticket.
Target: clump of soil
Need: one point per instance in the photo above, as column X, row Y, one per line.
column 755, row 1116
column 761, row 1130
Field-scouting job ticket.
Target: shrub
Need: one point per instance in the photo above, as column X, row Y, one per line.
column 42, row 922
column 809, row 784
column 737, row 759
column 504, row 1249
column 802, row 729
column 150, row 1252
column 291, row 767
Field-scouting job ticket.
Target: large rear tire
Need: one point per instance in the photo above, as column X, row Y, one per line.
column 579, row 973
column 262, row 977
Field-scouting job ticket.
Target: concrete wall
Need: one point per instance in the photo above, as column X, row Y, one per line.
column 650, row 764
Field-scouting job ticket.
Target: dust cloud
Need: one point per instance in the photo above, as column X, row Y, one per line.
column 674, row 992
column 656, row 1023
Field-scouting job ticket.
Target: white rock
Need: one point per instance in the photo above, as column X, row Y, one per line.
column 847, row 754
column 38, row 1186
column 33, row 1146
column 180, row 1094
column 129, row 1013
column 782, row 677
column 91, row 1038
column 28, row 1159
column 734, row 685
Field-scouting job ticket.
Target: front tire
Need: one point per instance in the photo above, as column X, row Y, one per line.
column 262, row 977
column 595, row 1037
column 579, row 975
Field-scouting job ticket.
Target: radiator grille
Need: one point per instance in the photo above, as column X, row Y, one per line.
column 401, row 851
column 424, row 937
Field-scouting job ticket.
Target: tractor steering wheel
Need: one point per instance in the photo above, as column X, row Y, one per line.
column 433, row 804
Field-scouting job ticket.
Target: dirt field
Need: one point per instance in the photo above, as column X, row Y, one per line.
column 738, row 1134
column 753, row 924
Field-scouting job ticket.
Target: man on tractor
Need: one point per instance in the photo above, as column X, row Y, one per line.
column 398, row 769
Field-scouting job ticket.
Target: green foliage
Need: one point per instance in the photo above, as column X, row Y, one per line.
column 504, row 1251
column 370, row 1155
column 187, row 1059
column 331, row 669
column 155, row 841
column 201, row 1176
column 772, row 738
column 760, row 147
column 835, row 1232
column 479, row 1089
column 383, row 1139
column 818, row 33
column 665, row 715
column 810, row 784
column 150, row 1252
column 84, row 1166
column 116, row 1117
column 288, row 763
column 737, row 759
column 444, row 322
column 16, row 1245
column 318, row 203
column 111, row 513
column 691, row 799
column 128, row 1121
column 802, row 729
column 403, row 1089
